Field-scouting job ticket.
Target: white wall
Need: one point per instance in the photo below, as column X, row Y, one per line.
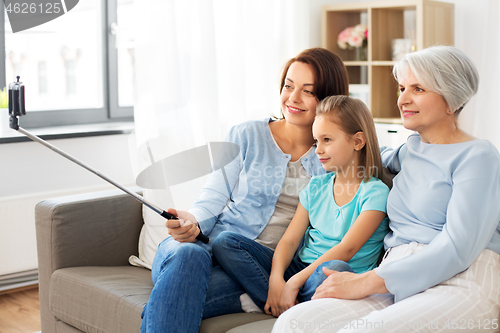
column 30, row 172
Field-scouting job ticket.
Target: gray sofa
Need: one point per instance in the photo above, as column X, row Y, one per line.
column 86, row 283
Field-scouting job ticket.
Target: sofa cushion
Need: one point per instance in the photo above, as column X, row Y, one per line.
column 224, row 323
column 261, row 326
column 111, row 299
column 153, row 231
column 100, row 299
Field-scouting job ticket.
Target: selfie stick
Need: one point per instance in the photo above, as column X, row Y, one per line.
column 17, row 108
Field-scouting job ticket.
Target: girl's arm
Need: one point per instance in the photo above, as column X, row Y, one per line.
column 283, row 255
column 359, row 233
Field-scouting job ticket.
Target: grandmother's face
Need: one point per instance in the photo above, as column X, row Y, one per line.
column 422, row 110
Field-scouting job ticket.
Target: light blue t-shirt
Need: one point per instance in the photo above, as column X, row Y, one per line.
column 447, row 196
column 328, row 223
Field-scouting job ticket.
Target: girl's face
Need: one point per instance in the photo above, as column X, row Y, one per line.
column 422, row 110
column 334, row 148
column 298, row 102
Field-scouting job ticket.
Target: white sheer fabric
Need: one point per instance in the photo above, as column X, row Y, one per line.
column 205, row 65
column 208, row 64
column 477, row 32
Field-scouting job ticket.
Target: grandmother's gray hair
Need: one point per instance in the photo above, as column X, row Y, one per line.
column 445, row 70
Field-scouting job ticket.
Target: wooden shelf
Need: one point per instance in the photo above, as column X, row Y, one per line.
column 388, row 120
column 431, row 23
column 356, row 63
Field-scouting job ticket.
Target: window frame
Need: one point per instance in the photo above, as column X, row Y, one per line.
column 115, row 110
column 110, row 112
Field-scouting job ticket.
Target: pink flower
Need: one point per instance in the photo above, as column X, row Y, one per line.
column 359, row 29
column 344, row 35
column 355, row 41
column 352, row 36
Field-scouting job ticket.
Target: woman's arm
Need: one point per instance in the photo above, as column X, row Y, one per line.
column 285, row 251
column 357, row 235
column 217, row 191
column 393, row 158
column 472, row 215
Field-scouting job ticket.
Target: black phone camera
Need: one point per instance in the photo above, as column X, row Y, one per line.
column 16, row 103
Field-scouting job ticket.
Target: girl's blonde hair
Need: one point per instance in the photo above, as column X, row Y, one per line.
column 353, row 116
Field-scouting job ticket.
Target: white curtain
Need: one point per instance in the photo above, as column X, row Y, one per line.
column 477, row 32
column 205, row 65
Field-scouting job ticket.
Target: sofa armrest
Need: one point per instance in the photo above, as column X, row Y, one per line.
column 92, row 229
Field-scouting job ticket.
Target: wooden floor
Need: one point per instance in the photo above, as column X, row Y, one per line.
column 20, row 311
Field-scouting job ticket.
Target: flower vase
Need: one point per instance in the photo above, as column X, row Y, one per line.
column 361, row 53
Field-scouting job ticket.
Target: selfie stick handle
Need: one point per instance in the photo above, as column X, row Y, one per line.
column 201, row 237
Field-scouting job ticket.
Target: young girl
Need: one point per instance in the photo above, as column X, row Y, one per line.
column 341, row 214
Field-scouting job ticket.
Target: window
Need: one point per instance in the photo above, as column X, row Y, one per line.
column 75, row 69
column 121, row 49
column 69, row 69
column 42, row 77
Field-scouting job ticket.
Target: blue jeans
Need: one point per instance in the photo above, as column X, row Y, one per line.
column 249, row 263
column 187, row 288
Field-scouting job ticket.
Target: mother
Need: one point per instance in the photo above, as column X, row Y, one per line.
column 442, row 267
column 256, row 196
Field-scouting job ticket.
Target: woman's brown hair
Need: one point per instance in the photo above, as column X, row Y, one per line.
column 353, row 116
column 330, row 74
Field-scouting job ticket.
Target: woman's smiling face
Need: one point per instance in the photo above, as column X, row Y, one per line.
column 297, row 97
column 422, row 109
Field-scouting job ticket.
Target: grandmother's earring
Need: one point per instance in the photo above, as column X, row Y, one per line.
column 450, row 112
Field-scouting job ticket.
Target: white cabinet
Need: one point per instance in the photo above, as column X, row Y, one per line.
column 391, row 135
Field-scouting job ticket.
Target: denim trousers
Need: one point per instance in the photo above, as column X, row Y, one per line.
column 187, row 288
column 249, row 263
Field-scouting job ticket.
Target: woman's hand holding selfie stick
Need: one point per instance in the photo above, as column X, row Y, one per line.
column 185, row 229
